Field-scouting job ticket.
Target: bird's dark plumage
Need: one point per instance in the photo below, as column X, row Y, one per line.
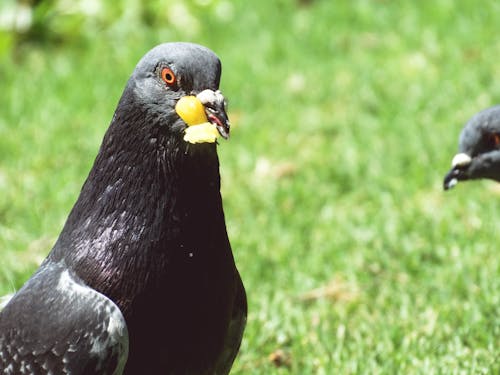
column 478, row 150
column 143, row 264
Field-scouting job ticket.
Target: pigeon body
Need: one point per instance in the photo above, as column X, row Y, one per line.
column 478, row 150
column 145, row 246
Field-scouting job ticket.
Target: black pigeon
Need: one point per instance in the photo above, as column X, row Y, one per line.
column 142, row 279
column 478, row 150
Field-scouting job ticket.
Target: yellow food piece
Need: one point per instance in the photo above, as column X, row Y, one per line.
column 202, row 133
column 190, row 110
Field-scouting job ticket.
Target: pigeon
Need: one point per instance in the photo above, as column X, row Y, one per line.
column 478, row 154
column 141, row 279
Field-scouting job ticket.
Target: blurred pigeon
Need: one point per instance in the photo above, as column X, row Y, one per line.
column 478, row 149
column 142, row 278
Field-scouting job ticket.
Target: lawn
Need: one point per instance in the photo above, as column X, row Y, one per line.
column 346, row 116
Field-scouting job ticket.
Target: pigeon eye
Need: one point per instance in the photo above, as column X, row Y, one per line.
column 168, row 76
column 494, row 140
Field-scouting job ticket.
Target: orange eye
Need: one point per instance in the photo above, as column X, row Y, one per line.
column 168, row 76
column 496, row 137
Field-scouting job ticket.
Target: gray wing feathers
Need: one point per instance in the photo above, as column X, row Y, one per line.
column 55, row 324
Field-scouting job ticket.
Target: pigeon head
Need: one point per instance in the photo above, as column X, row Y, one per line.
column 478, row 150
column 171, row 72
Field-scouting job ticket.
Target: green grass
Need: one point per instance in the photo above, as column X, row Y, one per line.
column 346, row 118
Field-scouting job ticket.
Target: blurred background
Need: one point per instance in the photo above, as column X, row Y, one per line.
column 346, row 116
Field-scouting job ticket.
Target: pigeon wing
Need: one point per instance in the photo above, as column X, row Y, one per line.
column 56, row 324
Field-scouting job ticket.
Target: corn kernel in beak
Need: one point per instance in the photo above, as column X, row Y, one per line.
column 190, row 110
column 202, row 133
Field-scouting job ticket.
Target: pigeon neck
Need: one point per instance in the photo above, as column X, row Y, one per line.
column 154, row 194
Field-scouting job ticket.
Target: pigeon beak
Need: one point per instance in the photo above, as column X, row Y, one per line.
column 459, row 166
column 215, row 109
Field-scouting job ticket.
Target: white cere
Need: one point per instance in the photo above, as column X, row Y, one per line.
column 207, row 96
column 461, row 160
